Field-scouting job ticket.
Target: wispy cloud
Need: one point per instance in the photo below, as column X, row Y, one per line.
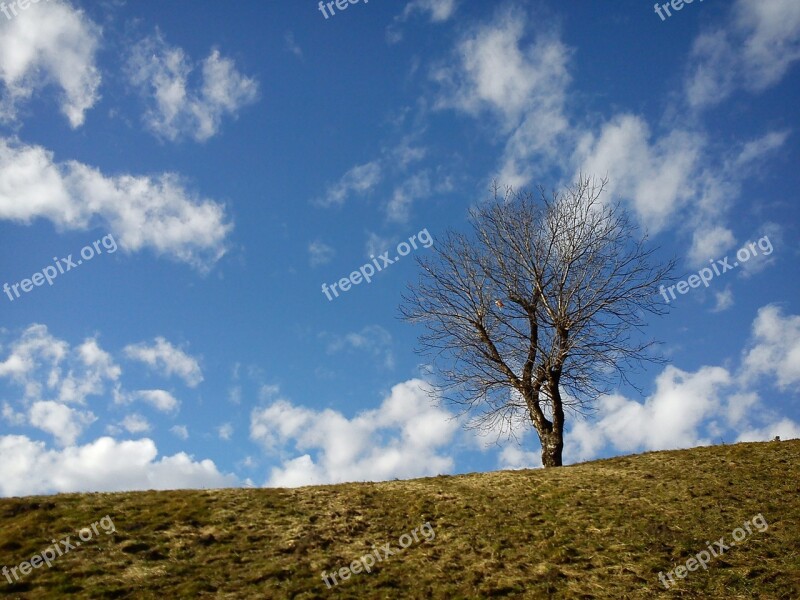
column 320, row 253
column 357, row 181
column 753, row 50
column 175, row 109
column 372, row 339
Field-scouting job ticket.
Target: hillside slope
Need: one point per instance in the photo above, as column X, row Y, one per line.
column 603, row 529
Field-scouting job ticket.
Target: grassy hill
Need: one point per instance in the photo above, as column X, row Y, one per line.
column 603, row 529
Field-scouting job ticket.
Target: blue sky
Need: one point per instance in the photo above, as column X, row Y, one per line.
column 231, row 158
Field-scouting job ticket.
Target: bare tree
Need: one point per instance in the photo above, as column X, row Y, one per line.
column 539, row 310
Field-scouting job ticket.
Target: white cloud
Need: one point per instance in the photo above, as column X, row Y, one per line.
column 670, row 418
column 710, row 243
column 713, row 193
column 656, row 177
column 373, row 339
column 524, row 86
column 394, row 161
column 141, row 212
column 690, row 409
column 12, row 417
column 437, row 10
column 168, row 360
column 712, row 65
column 514, row 457
column 494, row 72
column 291, row 44
column 723, row 300
column 135, row 423
column 269, row 392
column 775, row 348
column 761, row 254
column 404, row 437
column 47, row 368
column 160, row 399
column 357, row 181
column 65, row 424
column 320, row 253
column 376, row 244
column 669, row 176
column 235, row 394
column 103, row 465
column 419, row 186
column 786, row 429
column 180, row 431
column 754, row 50
column 49, row 44
column 225, row 431
column 756, row 149
column 176, row 111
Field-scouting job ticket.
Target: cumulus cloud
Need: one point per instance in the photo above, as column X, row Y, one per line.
column 176, row 109
column 160, row 399
column 656, row 176
column 404, row 437
column 46, row 368
column 140, row 211
column 775, row 348
column 49, row 44
column 697, row 408
column 754, row 49
column 102, row 465
column 166, row 359
column 514, row 457
column 64, row 423
column 135, row 424
column 710, row 243
column 667, row 176
column 786, row 429
column 671, row 417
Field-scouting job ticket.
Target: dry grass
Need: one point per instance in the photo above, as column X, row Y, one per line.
column 596, row 530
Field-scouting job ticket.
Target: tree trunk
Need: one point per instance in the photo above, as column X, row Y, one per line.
column 551, row 433
column 552, row 446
